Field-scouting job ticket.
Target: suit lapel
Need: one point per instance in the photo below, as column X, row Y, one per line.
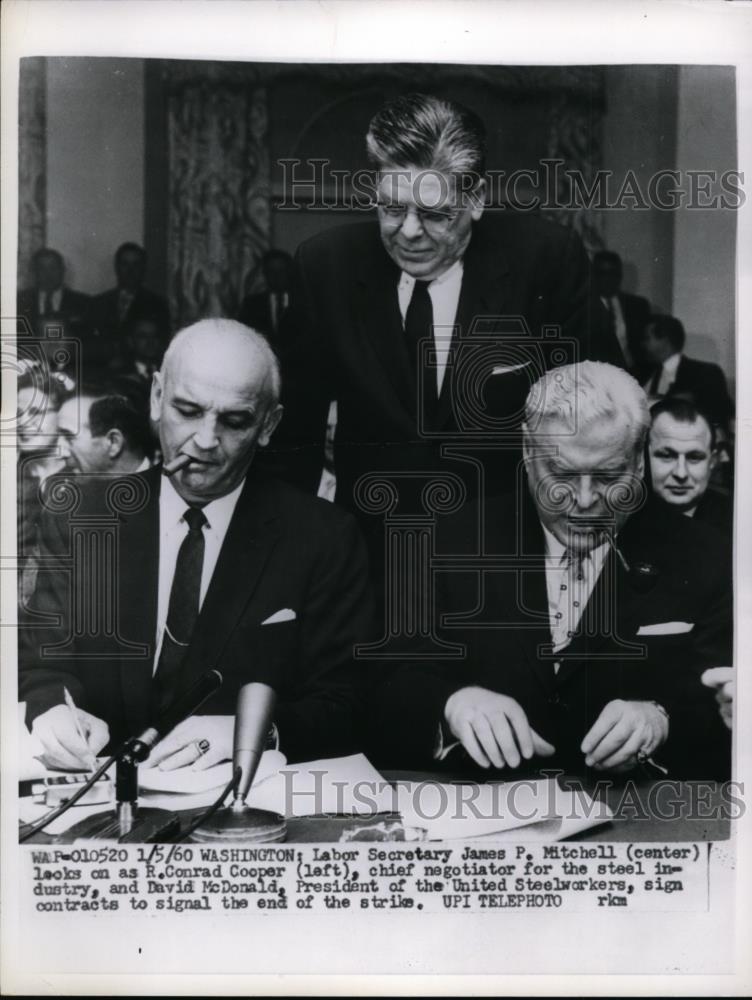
column 482, row 294
column 381, row 320
column 250, row 539
column 681, row 374
column 138, row 583
column 522, row 595
column 609, row 618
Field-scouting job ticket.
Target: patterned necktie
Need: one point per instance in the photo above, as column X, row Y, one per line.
column 418, row 326
column 182, row 612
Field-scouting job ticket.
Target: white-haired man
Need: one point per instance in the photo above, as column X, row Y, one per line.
column 217, row 566
column 585, row 614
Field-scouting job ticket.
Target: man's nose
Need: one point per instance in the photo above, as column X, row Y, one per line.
column 585, row 494
column 411, row 226
column 206, row 435
column 680, row 469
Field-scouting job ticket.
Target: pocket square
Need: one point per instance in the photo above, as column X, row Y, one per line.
column 283, row 615
column 504, row 369
column 666, row 628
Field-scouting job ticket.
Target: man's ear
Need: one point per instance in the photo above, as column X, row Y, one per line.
column 640, row 464
column 157, row 390
column 525, row 443
column 271, row 421
column 478, row 200
column 115, row 442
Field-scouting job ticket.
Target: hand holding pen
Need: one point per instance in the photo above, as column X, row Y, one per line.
column 71, row 738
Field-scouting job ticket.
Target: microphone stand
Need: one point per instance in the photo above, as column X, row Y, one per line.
column 239, row 822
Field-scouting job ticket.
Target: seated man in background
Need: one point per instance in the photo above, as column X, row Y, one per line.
column 37, row 410
column 217, row 567
column 114, row 312
column 49, row 300
column 681, row 450
column 585, row 632
column 623, row 315
column 670, row 372
column 265, row 310
column 103, row 432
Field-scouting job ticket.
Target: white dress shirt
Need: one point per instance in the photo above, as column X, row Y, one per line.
column 445, row 294
column 667, row 377
column 569, row 585
column 55, row 299
column 172, row 531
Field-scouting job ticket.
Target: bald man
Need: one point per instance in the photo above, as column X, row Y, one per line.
column 217, row 566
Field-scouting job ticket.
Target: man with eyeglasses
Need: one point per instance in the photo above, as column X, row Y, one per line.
column 428, row 325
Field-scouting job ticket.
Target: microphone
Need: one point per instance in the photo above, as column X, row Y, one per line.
column 253, row 718
column 240, row 823
column 137, row 748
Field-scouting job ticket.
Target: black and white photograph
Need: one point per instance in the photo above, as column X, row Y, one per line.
column 374, row 452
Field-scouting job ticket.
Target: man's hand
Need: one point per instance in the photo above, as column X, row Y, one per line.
column 722, row 679
column 183, row 747
column 493, row 728
column 63, row 747
column 621, row 731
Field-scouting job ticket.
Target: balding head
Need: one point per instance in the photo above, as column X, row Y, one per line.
column 226, row 347
column 216, row 401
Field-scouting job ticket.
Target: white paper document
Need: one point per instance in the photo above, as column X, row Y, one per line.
column 538, row 810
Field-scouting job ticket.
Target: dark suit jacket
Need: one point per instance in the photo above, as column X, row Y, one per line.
column 345, row 341
column 145, row 305
column 636, row 313
column 705, row 385
column 717, row 510
column 282, row 550
column 256, row 311
column 74, row 310
column 505, row 631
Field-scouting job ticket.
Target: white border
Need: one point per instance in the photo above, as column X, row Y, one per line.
column 532, row 32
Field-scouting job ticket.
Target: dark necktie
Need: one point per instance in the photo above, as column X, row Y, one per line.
column 418, row 326
column 47, row 309
column 182, row 611
column 655, row 381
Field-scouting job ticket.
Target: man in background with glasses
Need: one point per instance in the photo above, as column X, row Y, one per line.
column 428, row 325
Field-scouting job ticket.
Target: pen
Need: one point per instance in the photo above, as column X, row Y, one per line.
column 91, row 763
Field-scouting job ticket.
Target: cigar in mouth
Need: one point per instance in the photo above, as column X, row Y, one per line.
column 178, row 463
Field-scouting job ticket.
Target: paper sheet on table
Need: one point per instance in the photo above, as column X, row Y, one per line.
column 339, row 785
column 189, row 781
column 515, row 810
column 179, row 789
column 348, row 785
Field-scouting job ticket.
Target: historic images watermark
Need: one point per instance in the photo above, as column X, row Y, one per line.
column 523, row 800
column 313, row 184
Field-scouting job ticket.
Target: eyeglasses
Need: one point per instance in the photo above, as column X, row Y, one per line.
column 433, row 220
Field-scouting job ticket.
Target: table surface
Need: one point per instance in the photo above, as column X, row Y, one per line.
column 646, row 810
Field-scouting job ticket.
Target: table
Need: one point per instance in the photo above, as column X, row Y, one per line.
column 645, row 810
